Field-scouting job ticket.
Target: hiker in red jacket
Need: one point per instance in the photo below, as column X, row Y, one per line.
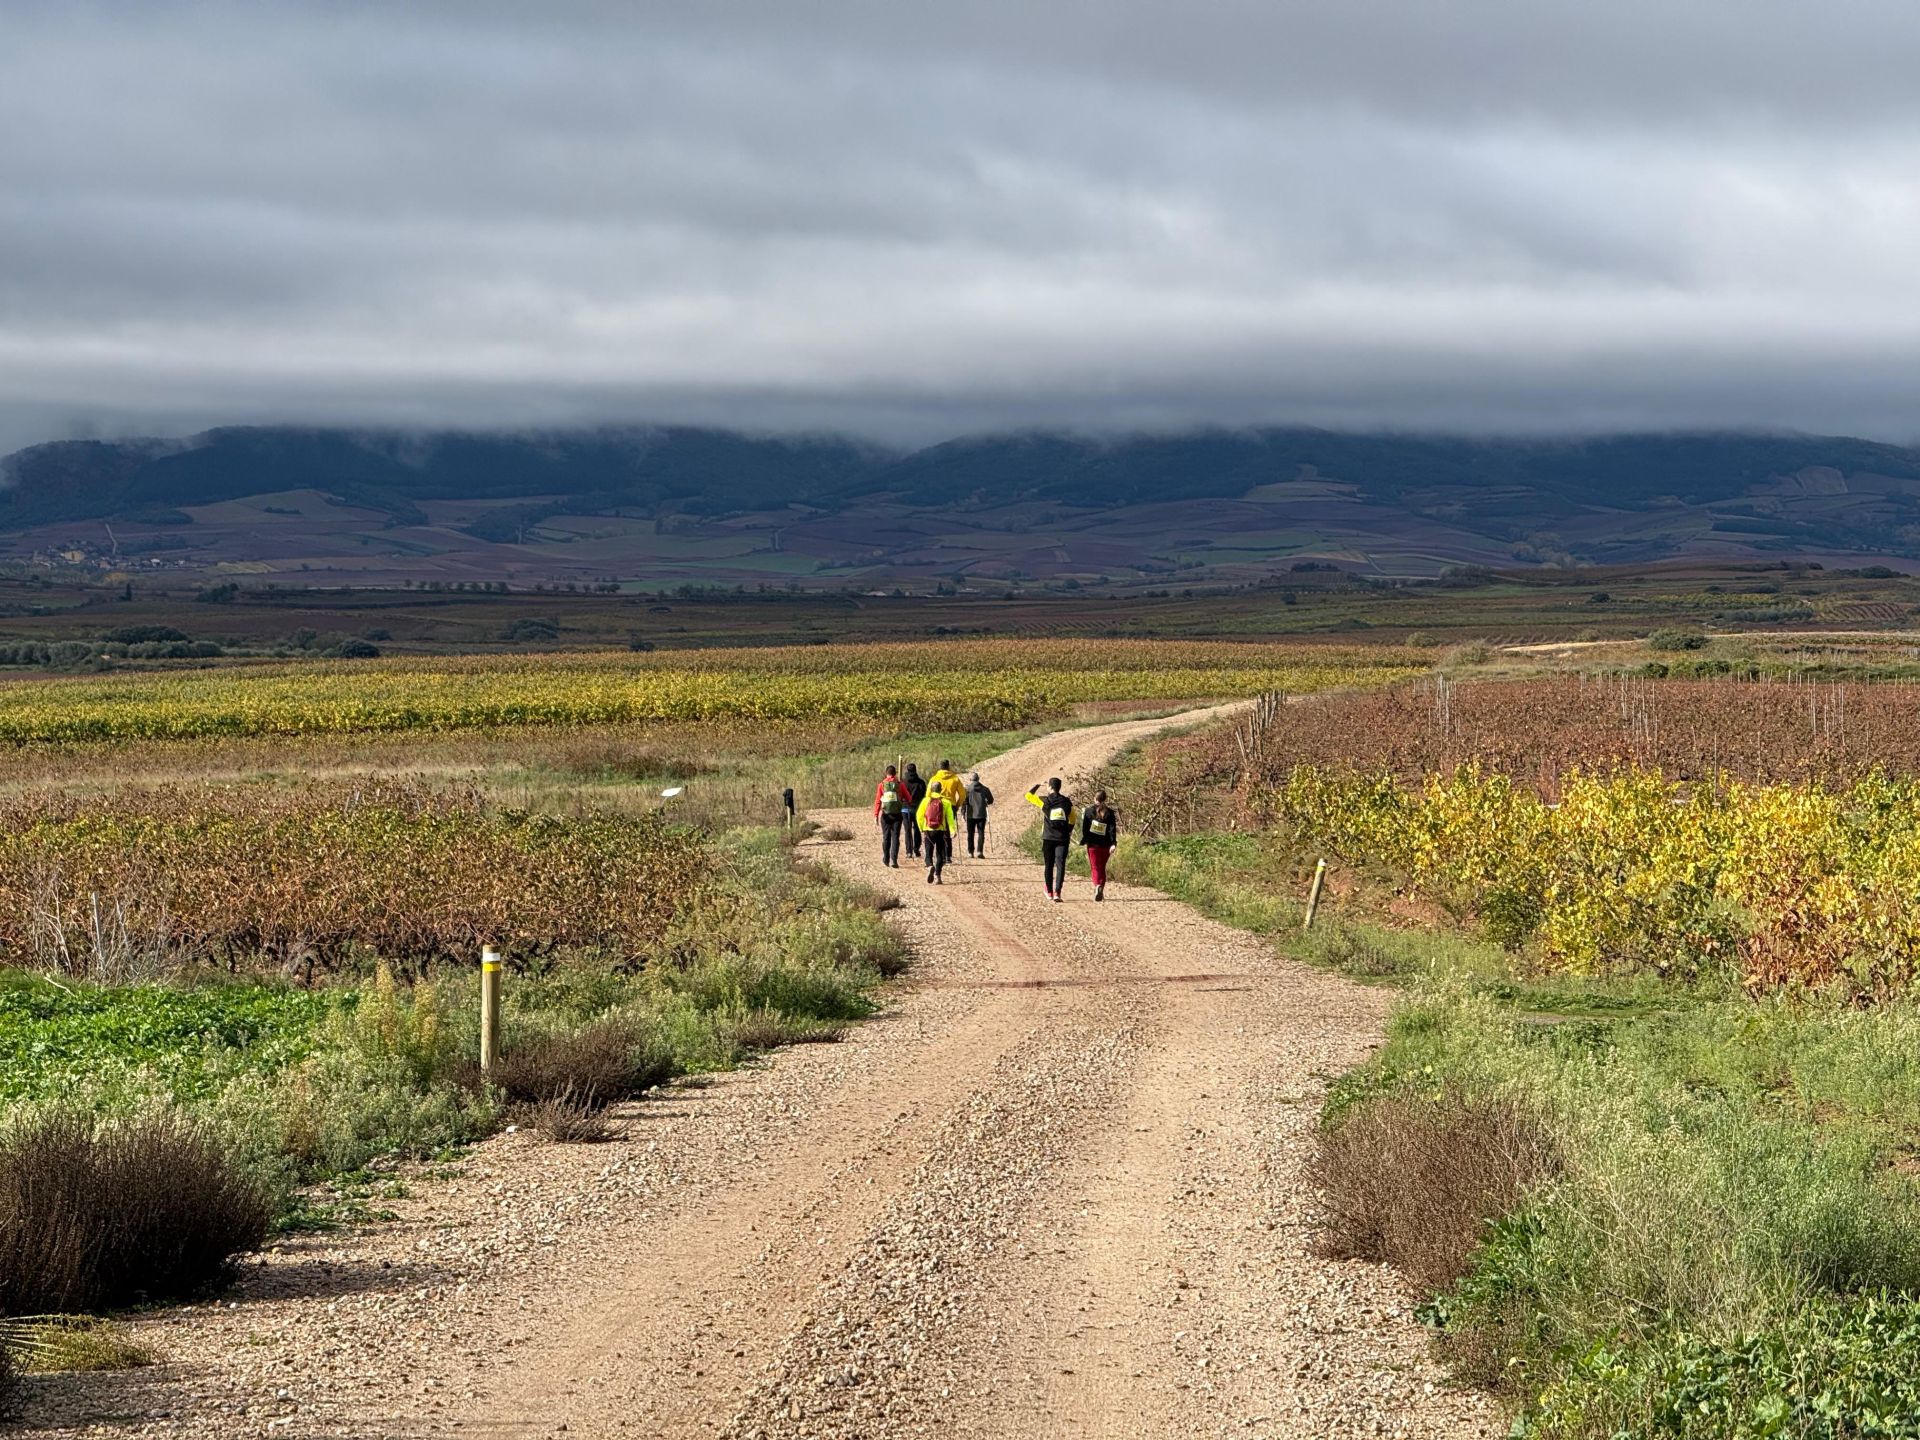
column 892, row 804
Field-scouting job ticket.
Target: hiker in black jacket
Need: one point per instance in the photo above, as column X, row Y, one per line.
column 916, row 791
column 1057, row 817
column 1099, row 833
column 979, row 797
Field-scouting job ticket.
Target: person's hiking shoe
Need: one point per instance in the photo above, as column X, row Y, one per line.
column 1056, row 897
column 1099, row 892
column 939, row 879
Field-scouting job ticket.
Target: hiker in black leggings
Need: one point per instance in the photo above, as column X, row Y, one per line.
column 1057, row 819
column 916, row 796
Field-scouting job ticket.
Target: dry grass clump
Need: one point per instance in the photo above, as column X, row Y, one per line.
column 866, row 896
column 47, row 1343
column 1415, row 1182
column 770, row 1029
column 1353, row 952
column 567, row 1121
column 96, row 1217
column 587, row 1069
column 793, row 834
column 618, row 758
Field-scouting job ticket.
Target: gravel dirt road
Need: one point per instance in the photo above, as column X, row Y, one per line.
column 1054, row 1190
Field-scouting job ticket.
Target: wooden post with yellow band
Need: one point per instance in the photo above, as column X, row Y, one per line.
column 489, row 1006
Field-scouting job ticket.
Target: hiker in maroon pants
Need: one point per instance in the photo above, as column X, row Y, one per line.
column 1099, row 832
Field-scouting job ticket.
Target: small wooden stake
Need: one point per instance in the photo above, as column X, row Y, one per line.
column 1313, row 895
column 489, row 1007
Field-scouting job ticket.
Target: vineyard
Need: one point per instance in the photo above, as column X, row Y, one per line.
column 1762, row 833
column 1539, row 730
column 1785, row 886
column 302, row 878
column 949, row 685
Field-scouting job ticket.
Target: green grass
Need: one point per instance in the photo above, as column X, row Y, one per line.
column 188, row 1041
column 1257, row 882
column 1840, row 1368
column 1733, row 1170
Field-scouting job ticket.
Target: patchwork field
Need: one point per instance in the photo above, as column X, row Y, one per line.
column 1639, row 909
column 957, row 685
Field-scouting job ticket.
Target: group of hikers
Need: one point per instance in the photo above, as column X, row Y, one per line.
column 922, row 813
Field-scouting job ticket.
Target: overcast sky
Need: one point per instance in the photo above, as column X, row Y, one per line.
column 915, row 219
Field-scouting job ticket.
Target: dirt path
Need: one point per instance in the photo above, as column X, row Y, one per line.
column 1008, row 1208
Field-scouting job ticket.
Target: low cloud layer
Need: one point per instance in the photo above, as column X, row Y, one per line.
column 911, row 220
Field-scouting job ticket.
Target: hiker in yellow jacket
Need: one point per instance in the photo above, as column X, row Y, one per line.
column 954, row 788
column 1057, row 819
column 936, row 830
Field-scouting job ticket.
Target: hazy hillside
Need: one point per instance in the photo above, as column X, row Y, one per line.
column 679, row 503
column 94, row 479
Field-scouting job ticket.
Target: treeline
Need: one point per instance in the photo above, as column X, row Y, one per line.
column 85, row 654
column 135, row 643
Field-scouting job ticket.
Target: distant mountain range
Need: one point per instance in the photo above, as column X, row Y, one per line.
column 661, row 505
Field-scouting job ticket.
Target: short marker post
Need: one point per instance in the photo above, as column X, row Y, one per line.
column 1313, row 895
column 489, row 1007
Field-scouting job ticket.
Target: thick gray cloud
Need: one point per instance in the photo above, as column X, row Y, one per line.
column 912, row 219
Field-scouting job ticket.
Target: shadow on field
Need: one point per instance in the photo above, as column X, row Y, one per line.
column 77, row 1401
column 301, row 1278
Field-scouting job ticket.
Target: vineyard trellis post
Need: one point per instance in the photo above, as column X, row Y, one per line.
column 1313, row 895
column 489, row 1007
